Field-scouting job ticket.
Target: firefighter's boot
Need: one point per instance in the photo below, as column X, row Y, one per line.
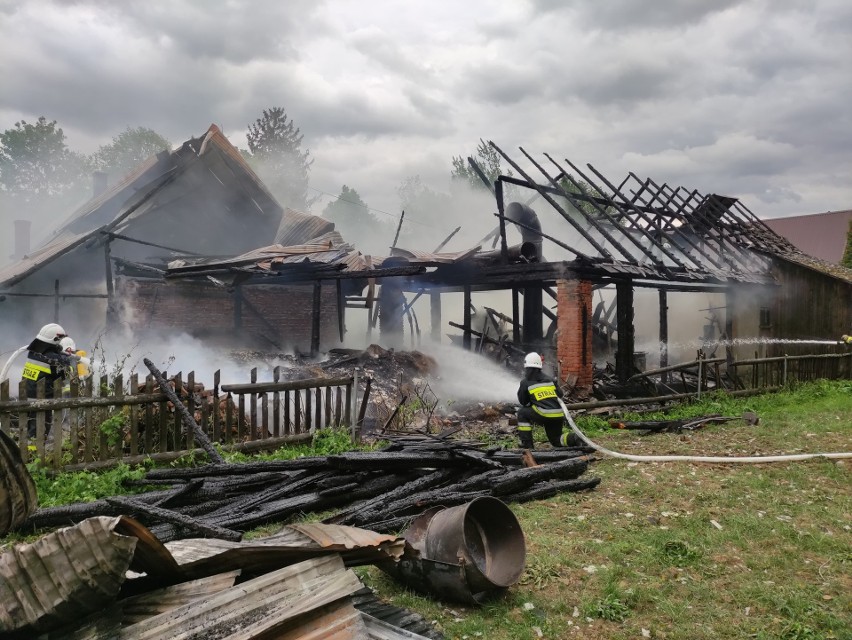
column 525, row 437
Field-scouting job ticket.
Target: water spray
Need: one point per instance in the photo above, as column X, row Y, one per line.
column 711, row 459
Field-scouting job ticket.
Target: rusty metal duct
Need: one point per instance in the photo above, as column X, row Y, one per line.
column 466, row 553
column 528, row 224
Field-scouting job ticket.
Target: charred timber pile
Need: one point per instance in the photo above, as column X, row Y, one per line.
column 380, row 490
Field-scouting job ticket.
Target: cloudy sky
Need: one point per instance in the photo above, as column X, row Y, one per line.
column 747, row 98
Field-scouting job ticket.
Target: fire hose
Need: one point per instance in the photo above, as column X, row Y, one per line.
column 713, row 459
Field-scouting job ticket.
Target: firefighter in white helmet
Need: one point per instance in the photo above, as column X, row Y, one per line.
column 539, row 405
column 45, row 361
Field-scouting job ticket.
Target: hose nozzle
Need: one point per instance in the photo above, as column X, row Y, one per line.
column 845, row 339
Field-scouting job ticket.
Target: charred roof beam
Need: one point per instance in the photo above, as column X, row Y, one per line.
column 643, row 215
column 544, row 194
column 677, row 230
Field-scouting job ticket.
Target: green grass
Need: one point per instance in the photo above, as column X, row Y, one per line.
column 641, row 551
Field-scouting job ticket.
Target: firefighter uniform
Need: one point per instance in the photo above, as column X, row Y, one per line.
column 538, row 396
column 43, row 363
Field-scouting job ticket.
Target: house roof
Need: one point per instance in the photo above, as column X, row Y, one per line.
column 821, row 235
column 133, row 196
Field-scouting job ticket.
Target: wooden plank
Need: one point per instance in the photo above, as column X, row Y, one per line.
column 134, row 417
column 318, row 409
column 58, row 435
column 103, row 443
column 164, row 423
column 308, row 410
column 217, row 431
column 75, row 419
column 23, row 417
column 329, row 417
column 177, row 422
column 288, row 426
column 88, row 419
column 205, row 420
column 264, row 416
column 290, row 385
column 241, row 418
column 338, row 405
column 118, row 392
column 348, row 415
column 41, row 392
column 190, row 406
column 466, row 342
column 276, row 405
column 253, row 401
column 297, row 422
column 149, row 416
column 229, row 418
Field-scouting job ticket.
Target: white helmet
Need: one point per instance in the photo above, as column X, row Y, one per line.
column 532, row 361
column 51, row 333
column 68, row 345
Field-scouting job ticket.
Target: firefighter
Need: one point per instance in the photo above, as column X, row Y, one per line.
column 45, row 361
column 539, row 405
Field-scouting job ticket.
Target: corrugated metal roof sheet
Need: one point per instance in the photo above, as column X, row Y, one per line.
column 417, row 257
column 300, row 228
column 821, row 235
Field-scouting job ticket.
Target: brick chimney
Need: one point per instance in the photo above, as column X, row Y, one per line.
column 22, row 238
column 574, row 325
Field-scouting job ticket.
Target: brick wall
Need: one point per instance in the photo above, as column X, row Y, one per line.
column 574, row 345
column 207, row 310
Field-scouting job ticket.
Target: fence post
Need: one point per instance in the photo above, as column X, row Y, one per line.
column 784, row 375
column 700, row 371
column 354, row 401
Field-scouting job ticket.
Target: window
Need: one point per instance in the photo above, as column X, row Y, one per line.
column 765, row 318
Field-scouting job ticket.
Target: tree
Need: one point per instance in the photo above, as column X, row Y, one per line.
column 275, row 152
column 36, row 164
column 488, row 160
column 128, row 150
column 352, row 218
column 847, row 254
column 428, row 213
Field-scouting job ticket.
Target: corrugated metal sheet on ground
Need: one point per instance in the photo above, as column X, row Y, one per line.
column 202, row 556
column 259, row 606
column 64, row 575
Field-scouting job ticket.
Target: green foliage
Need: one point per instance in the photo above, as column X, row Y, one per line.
column 488, row 160
column 325, row 442
column 113, row 428
column 83, row 486
column 35, row 162
column 352, row 218
column 679, row 553
column 578, row 187
column 128, row 150
column 275, row 152
column 847, row 254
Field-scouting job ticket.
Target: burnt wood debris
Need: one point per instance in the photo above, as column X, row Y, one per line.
column 379, row 490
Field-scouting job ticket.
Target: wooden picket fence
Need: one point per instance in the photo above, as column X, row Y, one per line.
column 105, row 421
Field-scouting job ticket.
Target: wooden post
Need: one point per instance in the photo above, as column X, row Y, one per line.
column 190, row 406
column 516, row 317
column 276, row 404
column 467, row 318
column 253, row 407
column 57, row 427
column 664, row 334
column 626, row 331
column 435, row 312
column 217, row 432
column 315, row 319
column 149, row 416
column 134, row 417
column 341, row 309
column 117, row 449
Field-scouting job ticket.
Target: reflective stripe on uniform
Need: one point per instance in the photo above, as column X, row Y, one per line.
column 33, row 369
column 542, row 390
column 548, row 413
column 524, row 427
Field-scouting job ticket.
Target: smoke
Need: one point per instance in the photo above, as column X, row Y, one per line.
column 465, row 376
